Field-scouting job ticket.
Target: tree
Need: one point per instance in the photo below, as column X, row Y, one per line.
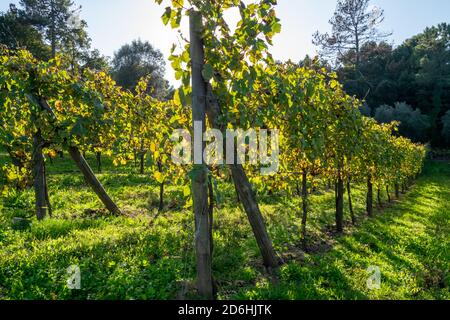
column 385, row 114
column 431, row 60
column 413, row 123
column 417, row 72
column 354, row 23
column 47, row 108
column 370, row 81
column 138, row 60
column 46, row 28
column 54, row 20
column 94, row 60
column 76, row 43
column 17, row 32
column 365, row 110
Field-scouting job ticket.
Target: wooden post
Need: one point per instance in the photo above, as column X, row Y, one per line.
column 39, row 177
column 200, row 177
column 142, row 158
column 369, row 196
column 350, row 201
column 42, row 201
column 92, row 180
column 244, row 189
column 340, row 204
column 84, row 167
column 304, row 194
column 47, row 197
column 255, row 217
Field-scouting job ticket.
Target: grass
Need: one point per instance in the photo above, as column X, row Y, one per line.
column 144, row 256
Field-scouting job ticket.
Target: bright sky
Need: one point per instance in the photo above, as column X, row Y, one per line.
column 113, row 23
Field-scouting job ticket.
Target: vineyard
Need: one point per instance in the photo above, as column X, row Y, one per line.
column 88, row 179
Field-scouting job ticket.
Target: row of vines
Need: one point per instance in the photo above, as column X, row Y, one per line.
column 229, row 81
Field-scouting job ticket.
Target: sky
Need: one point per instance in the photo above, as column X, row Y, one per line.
column 112, row 23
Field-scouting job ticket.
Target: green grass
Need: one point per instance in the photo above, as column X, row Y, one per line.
column 144, row 256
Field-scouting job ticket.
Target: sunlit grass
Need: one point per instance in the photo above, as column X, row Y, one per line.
column 145, row 256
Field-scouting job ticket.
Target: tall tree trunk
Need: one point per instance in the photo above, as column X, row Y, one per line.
column 304, row 194
column 388, row 193
column 350, row 201
column 199, row 181
column 357, row 52
column 39, row 177
column 369, row 196
column 53, row 28
column 245, row 192
column 92, row 180
column 340, row 205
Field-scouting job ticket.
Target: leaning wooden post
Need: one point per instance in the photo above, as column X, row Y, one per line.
column 92, row 180
column 244, row 189
column 200, row 173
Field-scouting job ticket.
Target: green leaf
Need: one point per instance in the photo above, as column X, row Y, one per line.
column 78, row 129
column 166, row 16
column 208, row 72
column 276, row 27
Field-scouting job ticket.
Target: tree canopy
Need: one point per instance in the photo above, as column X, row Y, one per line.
column 137, row 60
column 354, row 24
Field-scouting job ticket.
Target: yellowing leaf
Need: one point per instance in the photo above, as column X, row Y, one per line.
column 153, row 147
column 158, row 177
column 187, row 191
